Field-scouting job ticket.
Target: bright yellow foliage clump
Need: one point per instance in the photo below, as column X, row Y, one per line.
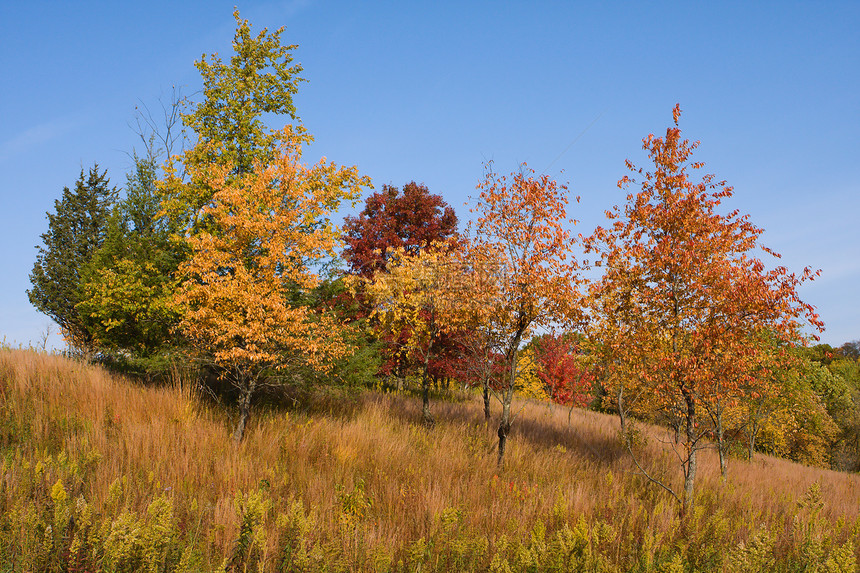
column 528, row 382
column 414, row 300
column 418, row 293
column 267, row 228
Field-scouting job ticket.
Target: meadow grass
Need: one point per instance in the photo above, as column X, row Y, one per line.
column 101, row 473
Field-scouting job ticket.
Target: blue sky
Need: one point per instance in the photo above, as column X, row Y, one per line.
column 429, row 91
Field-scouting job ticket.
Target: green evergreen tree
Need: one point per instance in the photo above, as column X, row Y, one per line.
column 76, row 230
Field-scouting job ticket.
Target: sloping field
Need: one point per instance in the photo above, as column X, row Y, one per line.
column 100, row 473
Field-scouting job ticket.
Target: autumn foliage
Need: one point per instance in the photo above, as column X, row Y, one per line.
column 240, row 287
column 684, row 295
column 228, row 259
column 563, row 370
column 521, row 246
column 410, row 219
column 412, row 302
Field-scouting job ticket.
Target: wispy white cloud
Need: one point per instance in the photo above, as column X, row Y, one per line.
column 36, row 135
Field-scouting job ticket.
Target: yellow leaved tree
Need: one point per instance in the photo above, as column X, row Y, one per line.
column 416, row 295
column 241, row 291
column 529, row 383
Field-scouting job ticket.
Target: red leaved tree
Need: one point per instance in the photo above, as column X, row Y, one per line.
column 560, row 368
column 405, row 221
column 411, row 220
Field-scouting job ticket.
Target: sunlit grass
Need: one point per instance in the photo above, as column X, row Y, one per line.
column 367, row 487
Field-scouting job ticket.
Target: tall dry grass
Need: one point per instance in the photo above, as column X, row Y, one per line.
column 368, row 488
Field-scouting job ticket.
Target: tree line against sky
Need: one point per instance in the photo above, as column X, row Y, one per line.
column 227, row 253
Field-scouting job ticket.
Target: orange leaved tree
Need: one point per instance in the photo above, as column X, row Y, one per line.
column 241, row 292
column 520, row 241
column 683, row 296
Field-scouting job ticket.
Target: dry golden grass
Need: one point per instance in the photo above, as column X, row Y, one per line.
column 376, row 483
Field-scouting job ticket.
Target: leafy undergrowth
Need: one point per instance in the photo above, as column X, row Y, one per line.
column 100, row 474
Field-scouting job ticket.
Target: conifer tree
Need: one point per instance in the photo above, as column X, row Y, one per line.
column 76, row 230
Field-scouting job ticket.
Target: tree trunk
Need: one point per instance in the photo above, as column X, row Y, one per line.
column 487, row 400
column 724, row 463
column 508, row 396
column 247, row 391
column 505, row 424
column 753, row 433
column 721, row 449
column 504, row 429
column 692, row 451
column 426, row 416
column 401, row 375
column 690, row 479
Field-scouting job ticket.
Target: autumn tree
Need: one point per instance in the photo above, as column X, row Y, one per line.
column 796, row 419
column 683, row 293
column 529, row 382
column 76, row 230
column 269, row 226
column 751, row 386
column 406, row 220
column 257, row 83
column 414, row 298
column 409, row 219
column 561, row 368
column 522, row 242
column 846, row 450
column 477, row 358
column 838, row 386
column 851, row 350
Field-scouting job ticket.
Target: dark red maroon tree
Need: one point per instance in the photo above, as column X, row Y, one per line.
column 412, row 218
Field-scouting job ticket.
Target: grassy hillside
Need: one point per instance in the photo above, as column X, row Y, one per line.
column 101, row 474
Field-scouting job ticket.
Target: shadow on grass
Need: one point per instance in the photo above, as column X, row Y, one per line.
column 599, row 444
column 594, row 439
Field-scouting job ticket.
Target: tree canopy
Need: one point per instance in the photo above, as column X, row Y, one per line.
column 410, row 219
column 258, row 82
